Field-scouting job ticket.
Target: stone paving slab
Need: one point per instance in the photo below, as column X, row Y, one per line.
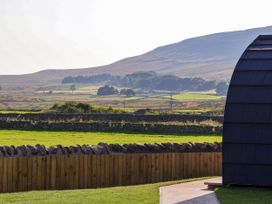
column 195, row 192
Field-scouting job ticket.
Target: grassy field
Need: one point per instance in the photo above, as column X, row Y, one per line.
column 17, row 137
column 36, row 100
column 144, row 194
column 195, row 96
column 244, row 195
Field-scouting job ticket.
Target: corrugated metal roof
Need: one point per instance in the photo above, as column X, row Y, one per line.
column 247, row 132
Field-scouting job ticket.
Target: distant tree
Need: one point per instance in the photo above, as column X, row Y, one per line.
column 72, row 88
column 146, row 81
column 168, row 82
column 1, row 88
column 90, row 79
column 222, row 88
column 68, row 80
column 107, row 90
column 127, row 92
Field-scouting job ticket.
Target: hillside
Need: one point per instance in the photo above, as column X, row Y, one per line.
column 211, row 57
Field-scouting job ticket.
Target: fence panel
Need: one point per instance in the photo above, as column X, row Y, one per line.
column 95, row 171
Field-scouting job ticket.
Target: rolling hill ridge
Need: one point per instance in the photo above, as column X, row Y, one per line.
column 210, row 57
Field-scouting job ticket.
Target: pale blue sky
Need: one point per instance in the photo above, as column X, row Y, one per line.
column 42, row 34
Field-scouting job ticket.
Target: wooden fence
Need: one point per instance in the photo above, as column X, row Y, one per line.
column 94, row 171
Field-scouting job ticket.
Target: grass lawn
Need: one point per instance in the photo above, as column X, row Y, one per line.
column 18, row 137
column 244, row 195
column 144, row 194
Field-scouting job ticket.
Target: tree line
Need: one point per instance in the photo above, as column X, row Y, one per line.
column 149, row 81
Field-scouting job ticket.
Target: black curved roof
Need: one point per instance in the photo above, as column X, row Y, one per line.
column 247, row 131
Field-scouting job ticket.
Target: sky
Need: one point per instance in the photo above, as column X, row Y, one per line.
column 61, row 34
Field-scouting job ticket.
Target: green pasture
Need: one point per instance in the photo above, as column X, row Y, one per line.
column 18, row 137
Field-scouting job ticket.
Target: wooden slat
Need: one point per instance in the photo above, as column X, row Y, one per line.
column 24, row 173
column 133, row 169
column 48, row 172
column 61, row 164
column 177, row 166
column 169, row 164
column 66, row 172
column 220, row 164
column 160, row 155
column 14, row 174
column 206, row 162
column 39, row 173
column 209, row 162
column 5, row 175
column 81, row 172
column 190, row 173
column 72, row 173
column 124, row 165
column 157, row 167
column 153, row 167
column 102, row 171
column 120, row 169
column 95, row 170
column 20, row 173
column 194, row 164
column 144, row 169
column 201, row 164
column 53, row 173
column 124, row 170
column 165, row 167
column 76, row 173
column 185, row 165
column 29, row 172
column 107, row 171
column 128, row 170
column 9, row 174
column 85, row 169
column 141, row 168
column 1, row 174
column 90, row 183
column 173, row 161
column 149, row 168
column 112, row 160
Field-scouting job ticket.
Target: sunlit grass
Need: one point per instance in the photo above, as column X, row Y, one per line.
column 17, row 137
column 144, row 194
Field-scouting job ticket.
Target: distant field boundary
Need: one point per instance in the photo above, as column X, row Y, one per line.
column 110, row 127
column 26, row 173
column 109, row 117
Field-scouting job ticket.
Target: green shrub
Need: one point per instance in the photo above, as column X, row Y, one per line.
column 72, row 107
column 79, row 108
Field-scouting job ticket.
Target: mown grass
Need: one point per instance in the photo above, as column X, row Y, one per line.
column 144, row 194
column 18, row 137
column 244, row 195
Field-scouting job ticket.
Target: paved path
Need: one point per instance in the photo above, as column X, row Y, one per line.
column 189, row 193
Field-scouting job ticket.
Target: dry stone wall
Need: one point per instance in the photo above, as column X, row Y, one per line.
column 109, row 126
column 103, row 148
column 109, row 117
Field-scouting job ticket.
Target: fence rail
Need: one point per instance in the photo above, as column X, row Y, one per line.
column 93, row 171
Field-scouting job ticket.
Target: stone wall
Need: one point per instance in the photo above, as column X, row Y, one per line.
column 109, row 117
column 103, row 148
column 109, row 127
